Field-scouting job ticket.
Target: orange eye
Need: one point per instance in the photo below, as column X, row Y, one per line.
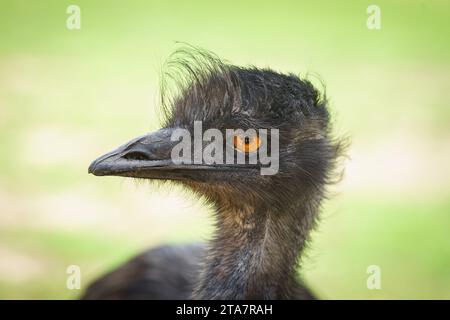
column 247, row 144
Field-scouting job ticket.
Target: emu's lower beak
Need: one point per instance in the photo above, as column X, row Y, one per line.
column 143, row 157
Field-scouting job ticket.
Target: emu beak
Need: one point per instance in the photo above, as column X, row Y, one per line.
column 143, row 157
column 149, row 157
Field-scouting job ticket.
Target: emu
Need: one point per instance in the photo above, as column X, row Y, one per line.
column 263, row 222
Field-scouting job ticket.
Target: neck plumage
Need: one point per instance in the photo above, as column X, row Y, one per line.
column 255, row 251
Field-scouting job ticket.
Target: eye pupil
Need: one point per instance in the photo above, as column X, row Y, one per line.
column 247, row 144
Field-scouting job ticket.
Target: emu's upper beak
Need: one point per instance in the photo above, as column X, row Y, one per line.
column 143, row 157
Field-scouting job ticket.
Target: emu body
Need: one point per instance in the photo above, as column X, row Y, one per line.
column 262, row 222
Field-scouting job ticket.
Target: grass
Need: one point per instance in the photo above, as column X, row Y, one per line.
column 407, row 240
column 68, row 96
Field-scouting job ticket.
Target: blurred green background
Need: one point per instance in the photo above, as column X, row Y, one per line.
column 67, row 96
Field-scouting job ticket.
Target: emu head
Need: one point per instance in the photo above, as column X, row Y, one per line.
column 222, row 96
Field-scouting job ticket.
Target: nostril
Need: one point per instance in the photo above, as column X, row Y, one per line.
column 136, row 155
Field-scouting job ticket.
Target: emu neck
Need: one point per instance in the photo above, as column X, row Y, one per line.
column 254, row 253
